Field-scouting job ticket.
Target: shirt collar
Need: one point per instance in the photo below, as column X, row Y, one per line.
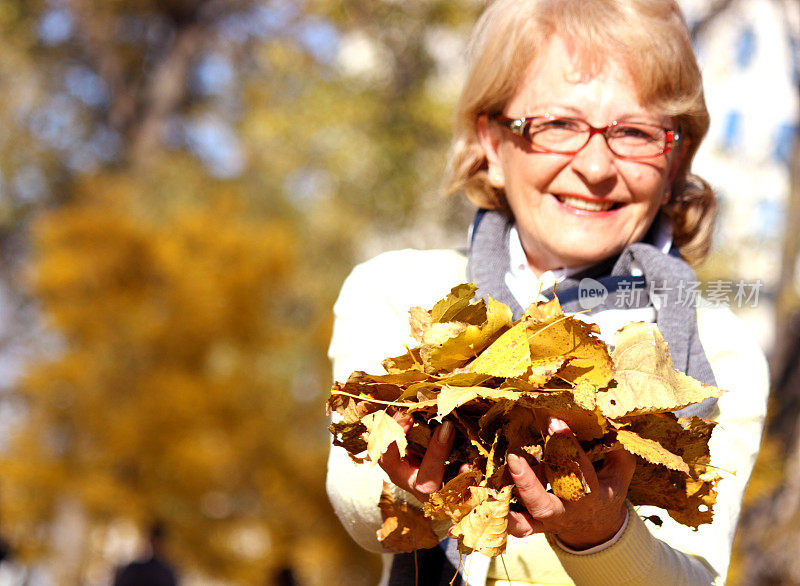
column 522, row 281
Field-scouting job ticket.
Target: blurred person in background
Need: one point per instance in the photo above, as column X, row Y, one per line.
column 152, row 569
column 574, row 136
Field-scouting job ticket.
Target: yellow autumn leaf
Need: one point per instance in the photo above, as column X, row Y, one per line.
column 382, row 432
column 455, row 351
column 508, row 356
column 452, row 397
column 585, row 395
column 544, row 311
column 411, row 360
column 484, row 529
column 456, row 306
column 565, row 336
column 543, row 369
column 435, row 335
column 646, row 380
column 651, row 450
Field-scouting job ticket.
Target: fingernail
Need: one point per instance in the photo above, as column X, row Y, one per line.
column 556, row 426
column 444, row 432
column 514, row 465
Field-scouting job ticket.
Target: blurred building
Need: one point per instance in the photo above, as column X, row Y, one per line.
column 748, row 51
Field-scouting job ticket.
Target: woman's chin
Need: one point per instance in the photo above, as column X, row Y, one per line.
column 578, row 256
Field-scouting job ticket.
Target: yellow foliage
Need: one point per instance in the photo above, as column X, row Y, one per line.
column 168, row 393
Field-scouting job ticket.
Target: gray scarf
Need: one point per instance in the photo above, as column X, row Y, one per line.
column 667, row 274
column 487, row 266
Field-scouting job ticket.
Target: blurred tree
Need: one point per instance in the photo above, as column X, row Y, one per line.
column 197, row 176
column 768, row 535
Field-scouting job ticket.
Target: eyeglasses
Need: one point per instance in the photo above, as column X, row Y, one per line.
column 567, row 136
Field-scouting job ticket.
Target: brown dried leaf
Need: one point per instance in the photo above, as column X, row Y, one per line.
column 484, row 528
column 562, row 469
column 686, row 437
column 404, row 528
column 382, row 391
column 521, row 428
column 351, row 410
column 587, row 425
column 399, row 379
column 657, row 486
column 701, row 498
column 418, row 437
column 349, row 436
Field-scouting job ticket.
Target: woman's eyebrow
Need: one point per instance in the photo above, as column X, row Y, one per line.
column 551, row 108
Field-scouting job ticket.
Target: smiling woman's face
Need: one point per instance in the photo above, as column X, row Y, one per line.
column 583, row 208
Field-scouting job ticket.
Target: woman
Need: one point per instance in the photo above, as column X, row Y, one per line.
column 575, row 134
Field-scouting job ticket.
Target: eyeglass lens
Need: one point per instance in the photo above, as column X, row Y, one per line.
column 626, row 139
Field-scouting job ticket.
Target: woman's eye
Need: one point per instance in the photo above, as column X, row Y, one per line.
column 554, row 124
column 636, row 132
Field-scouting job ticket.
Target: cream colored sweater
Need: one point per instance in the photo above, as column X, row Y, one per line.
column 371, row 323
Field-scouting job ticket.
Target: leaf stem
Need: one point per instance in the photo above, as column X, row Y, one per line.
column 369, row 400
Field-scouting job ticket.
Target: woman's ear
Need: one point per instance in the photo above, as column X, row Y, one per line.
column 489, row 137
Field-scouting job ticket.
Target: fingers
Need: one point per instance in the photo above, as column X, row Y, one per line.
column 554, row 426
column 404, row 419
column 400, row 471
column 523, row 525
column 617, row 471
column 420, row 478
column 431, row 470
column 540, row 504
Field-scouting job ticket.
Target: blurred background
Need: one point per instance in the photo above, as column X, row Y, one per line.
column 184, row 184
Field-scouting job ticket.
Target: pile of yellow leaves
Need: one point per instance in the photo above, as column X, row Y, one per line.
column 499, row 381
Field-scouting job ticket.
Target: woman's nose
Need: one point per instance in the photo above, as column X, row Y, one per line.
column 595, row 162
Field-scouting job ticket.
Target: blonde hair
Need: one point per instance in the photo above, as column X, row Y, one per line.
column 650, row 36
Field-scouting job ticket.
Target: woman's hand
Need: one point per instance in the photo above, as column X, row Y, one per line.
column 593, row 519
column 420, row 478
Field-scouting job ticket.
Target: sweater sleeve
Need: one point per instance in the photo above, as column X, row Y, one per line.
column 636, row 558
column 674, row 554
column 370, row 324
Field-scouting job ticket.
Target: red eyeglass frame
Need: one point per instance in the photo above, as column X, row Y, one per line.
column 518, row 127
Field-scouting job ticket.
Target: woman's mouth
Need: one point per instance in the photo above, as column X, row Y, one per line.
column 584, row 204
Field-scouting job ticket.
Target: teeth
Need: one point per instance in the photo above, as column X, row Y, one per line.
column 582, row 204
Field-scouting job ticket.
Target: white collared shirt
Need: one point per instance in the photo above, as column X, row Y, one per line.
column 526, row 287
